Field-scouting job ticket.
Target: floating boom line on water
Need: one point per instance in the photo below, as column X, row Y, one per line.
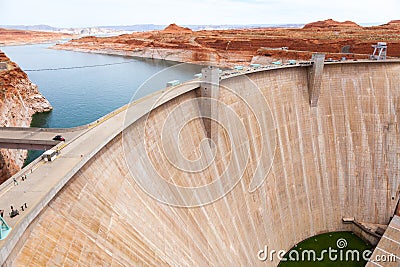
column 82, row 67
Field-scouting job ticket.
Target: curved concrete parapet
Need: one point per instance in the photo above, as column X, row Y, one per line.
column 338, row 159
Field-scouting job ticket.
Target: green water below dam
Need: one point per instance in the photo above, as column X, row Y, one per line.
column 343, row 249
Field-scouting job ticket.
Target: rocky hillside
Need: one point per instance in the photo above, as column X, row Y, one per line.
column 18, row 37
column 19, row 100
column 241, row 46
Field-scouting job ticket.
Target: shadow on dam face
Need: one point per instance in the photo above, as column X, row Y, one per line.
column 338, row 159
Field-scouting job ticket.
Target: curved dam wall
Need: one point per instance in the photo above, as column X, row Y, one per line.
column 339, row 159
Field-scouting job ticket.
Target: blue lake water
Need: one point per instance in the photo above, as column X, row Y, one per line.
column 82, row 95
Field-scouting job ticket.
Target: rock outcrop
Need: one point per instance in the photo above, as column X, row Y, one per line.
column 173, row 28
column 330, row 23
column 230, row 47
column 19, row 100
column 392, row 23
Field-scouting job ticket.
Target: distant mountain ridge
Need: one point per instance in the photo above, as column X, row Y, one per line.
column 141, row 27
column 40, row 27
column 152, row 27
column 119, row 29
column 74, row 31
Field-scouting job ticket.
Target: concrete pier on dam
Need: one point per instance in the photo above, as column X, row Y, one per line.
column 295, row 153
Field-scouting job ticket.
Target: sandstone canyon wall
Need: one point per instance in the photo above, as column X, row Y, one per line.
column 19, row 100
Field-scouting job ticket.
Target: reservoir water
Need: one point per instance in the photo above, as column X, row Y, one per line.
column 82, row 95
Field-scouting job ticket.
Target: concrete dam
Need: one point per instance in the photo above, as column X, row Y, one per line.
column 277, row 157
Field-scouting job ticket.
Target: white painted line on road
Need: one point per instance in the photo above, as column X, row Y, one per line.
column 394, row 228
column 375, row 263
column 387, row 252
column 388, row 238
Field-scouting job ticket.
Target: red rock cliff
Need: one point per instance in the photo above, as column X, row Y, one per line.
column 19, row 100
column 330, row 23
column 241, row 46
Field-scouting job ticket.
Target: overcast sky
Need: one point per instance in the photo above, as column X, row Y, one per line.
column 78, row 13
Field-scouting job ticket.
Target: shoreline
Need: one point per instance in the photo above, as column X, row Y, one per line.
column 175, row 55
column 179, row 55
